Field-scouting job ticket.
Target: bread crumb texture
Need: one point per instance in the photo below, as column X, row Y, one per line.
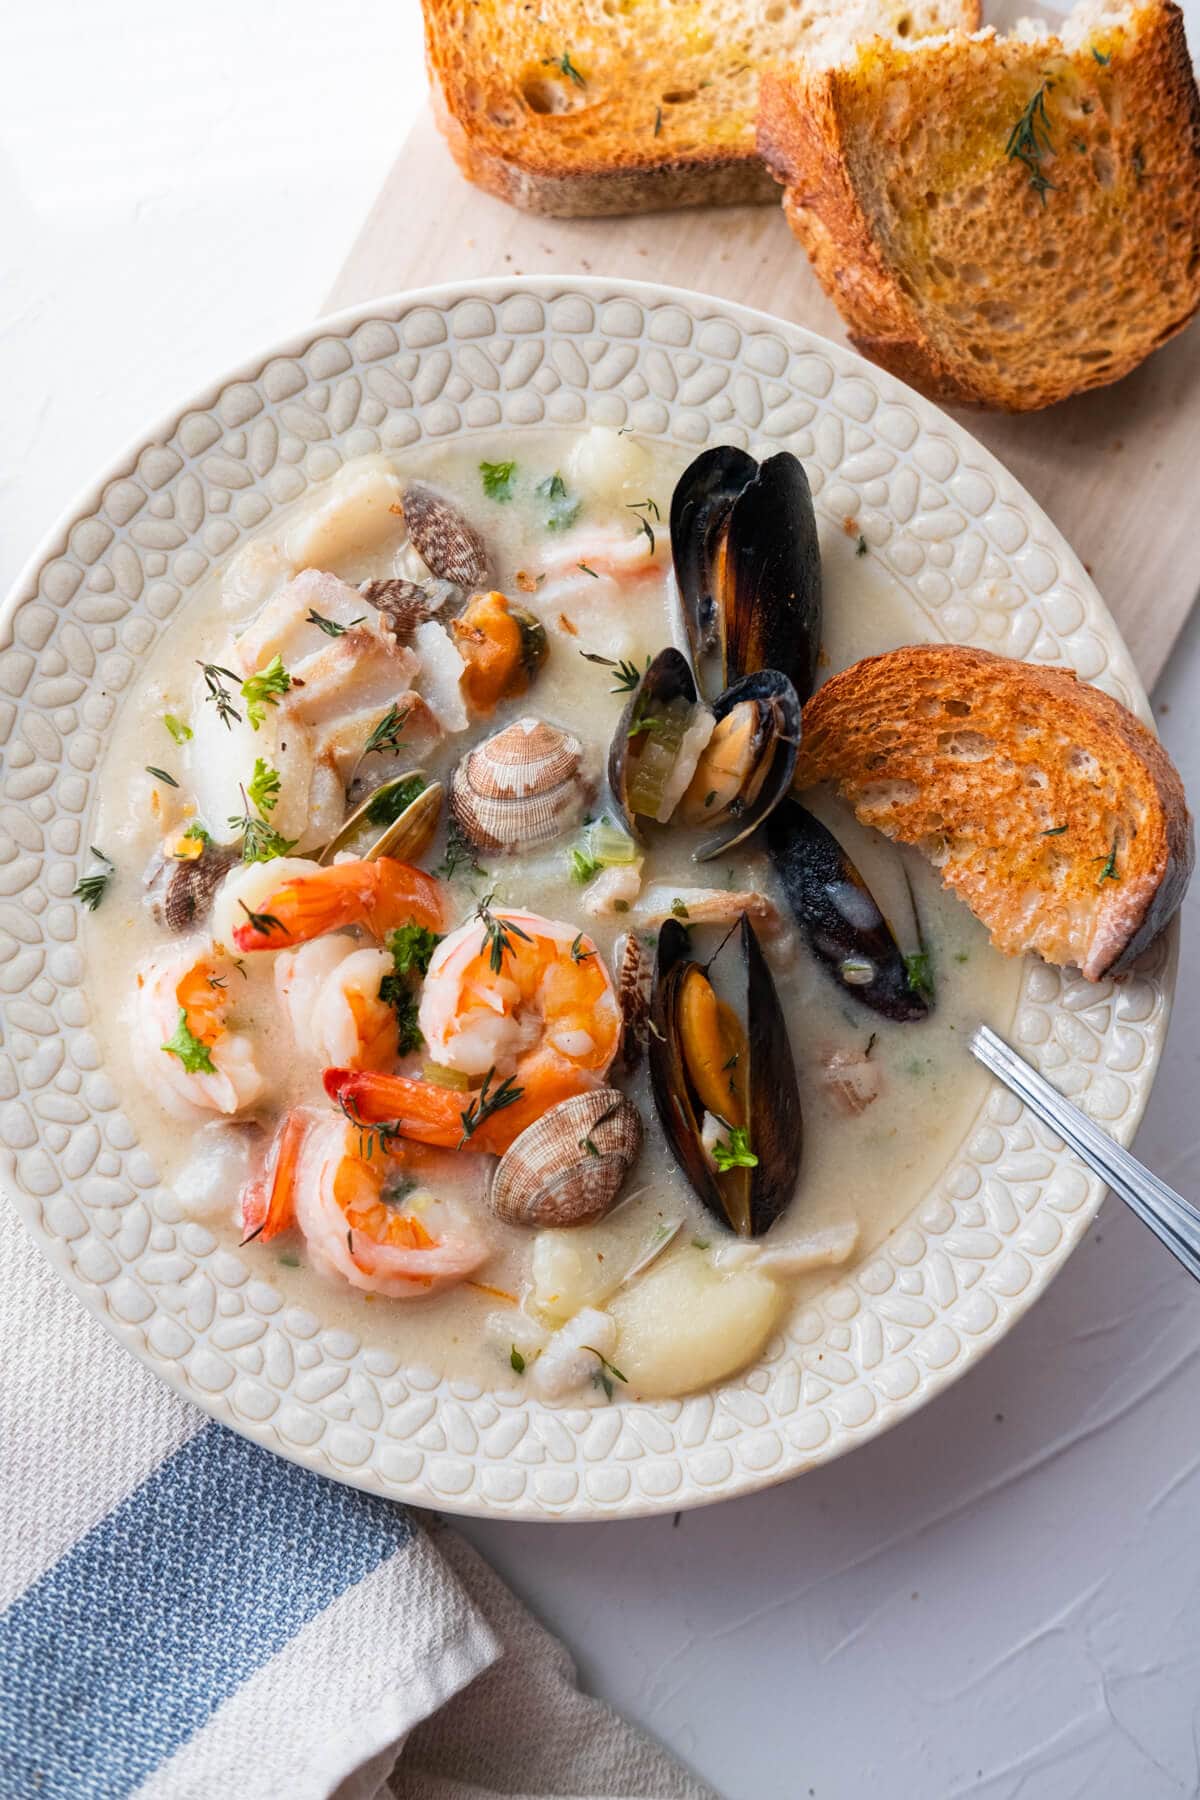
column 1047, row 807
column 630, row 105
column 1002, row 222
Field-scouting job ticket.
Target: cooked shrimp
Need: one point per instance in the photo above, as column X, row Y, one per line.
column 330, row 992
column 509, row 997
column 183, row 1049
column 611, row 551
column 350, row 1207
column 379, row 895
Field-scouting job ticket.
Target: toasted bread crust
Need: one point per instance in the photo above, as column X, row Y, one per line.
column 1052, row 811
column 637, row 133
column 963, row 277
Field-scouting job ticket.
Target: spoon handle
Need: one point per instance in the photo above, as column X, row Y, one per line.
column 1172, row 1219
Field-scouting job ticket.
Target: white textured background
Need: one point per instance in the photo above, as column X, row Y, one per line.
column 1000, row 1599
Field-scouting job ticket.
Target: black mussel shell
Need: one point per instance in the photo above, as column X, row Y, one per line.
column 839, row 917
column 703, row 496
column 779, row 729
column 669, row 678
column 180, row 894
column 748, row 1200
column 748, row 566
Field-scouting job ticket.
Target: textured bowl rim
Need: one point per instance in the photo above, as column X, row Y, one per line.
column 700, row 308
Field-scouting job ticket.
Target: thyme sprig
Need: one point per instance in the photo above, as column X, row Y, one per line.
column 626, row 674
column 389, row 731
column 606, row 1371
column 1029, row 141
column 330, row 627
column 263, row 923
column 497, row 934
column 90, row 889
column 381, row 1135
column 214, row 680
column 489, row 1100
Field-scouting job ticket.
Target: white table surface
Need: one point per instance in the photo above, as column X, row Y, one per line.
column 1002, row 1597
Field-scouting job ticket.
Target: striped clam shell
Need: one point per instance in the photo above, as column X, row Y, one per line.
column 550, row 1176
column 442, row 538
column 523, row 786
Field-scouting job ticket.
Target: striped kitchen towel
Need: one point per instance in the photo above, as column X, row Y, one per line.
column 184, row 1616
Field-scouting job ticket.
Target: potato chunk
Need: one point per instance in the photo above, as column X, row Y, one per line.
column 686, row 1324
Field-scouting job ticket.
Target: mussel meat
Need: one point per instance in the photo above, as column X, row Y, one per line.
column 748, row 567
column 402, row 813
column 525, row 785
column 567, row 1168
column 724, row 1081
column 840, row 918
column 503, row 647
column 447, row 545
column 745, row 769
column 658, row 741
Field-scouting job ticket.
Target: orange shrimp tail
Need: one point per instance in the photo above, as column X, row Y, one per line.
column 378, row 895
column 268, row 1204
column 435, row 1115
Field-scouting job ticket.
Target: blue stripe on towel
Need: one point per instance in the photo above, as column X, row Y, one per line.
column 123, row 1650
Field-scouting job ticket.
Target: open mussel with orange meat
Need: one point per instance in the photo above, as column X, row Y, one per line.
column 723, row 1078
column 748, row 567
column 725, row 767
column 840, row 919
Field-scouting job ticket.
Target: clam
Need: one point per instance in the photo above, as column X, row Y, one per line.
column 839, row 916
column 748, row 567
column 633, row 997
column 406, row 807
column 567, row 1168
column 723, row 1078
column 658, row 741
column 403, row 604
column 745, row 769
column 442, row 538
column 180, row 893
column 522, row 786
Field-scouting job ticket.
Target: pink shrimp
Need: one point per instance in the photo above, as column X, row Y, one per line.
column 181, row 1043
column 534, row 1006
column 379, row 895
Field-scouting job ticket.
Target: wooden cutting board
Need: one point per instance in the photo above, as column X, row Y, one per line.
column 1117, row 470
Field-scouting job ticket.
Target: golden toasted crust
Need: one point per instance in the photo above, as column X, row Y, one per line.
column 1046, row 805
column 951, row 262
column 573, row 111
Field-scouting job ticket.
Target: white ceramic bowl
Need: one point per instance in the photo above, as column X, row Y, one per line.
column 943, row 518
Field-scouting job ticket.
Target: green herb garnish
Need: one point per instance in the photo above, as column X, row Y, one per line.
column 178, row 730
column 920, row 973
column 388, row 732
column 562, row 508
column 459, row 850
column 191, row 1051
column 586, row 1144
column 196, row 830
column 626, row 675
column 736, row 1153
column 606, row 1371
column 263, row 923
column 161, row 775
column 214, row 679
column 701, row 1243
column 645, row 525
column 657, row 120
column 389, row 802
column 516, row 1360
column 860, row 548
column 264, row 689
column 578, row 953
column 1029, row 141
column 411, row 948
column 90, row 889
column 1109, row 872
column 1101, row 58
column 583, row 867
column 330, row 627
column 497, row 934
column 498, row 480
column 491, row 1100
column 264, row 787
column 678, row 909
column 566, row 66
column 1055, row 831
column 588, row 571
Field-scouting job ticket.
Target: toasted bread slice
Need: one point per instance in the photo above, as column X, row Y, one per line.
column 630, row 105
column 1001, row 221
column 1045, row 804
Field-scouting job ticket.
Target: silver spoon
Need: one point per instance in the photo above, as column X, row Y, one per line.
column 1172, row 1219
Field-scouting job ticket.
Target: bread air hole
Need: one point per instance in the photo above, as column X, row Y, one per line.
column 545, row 96
column 965, row 746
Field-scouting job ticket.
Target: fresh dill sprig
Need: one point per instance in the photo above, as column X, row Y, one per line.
column 490, row 1100
column 497, row 934
column 1029, row 141
column 214, row 680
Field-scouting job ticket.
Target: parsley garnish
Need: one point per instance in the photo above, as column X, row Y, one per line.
column 497, row 933
column 191, row 1051
column 583, row 867
column 411, row 948
column 161, row 775
column 330, row 627
column 490, row 1100
column 178, row 730
column 388, row 732
column 586, row 1144
column 264, row 786
column 219, row 694
column 498, row 480
column 263, row 690
column 90, row 889
column 626, row 674
column 197, row 831
column 736, row 1154
column 920, row 973
column 516, row 1360
column 701, row 1243
column 389, row 802
column 1029, row 141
